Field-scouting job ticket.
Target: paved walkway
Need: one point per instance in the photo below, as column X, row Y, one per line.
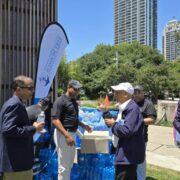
column 161, row 150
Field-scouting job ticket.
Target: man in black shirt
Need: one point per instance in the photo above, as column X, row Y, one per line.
column 66, row 120
column 149, row 114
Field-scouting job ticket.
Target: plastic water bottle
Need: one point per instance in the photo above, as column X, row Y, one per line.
column 41, row 117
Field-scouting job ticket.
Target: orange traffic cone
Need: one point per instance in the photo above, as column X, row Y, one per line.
column 106, row 101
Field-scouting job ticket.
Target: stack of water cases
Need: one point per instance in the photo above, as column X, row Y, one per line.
column 90, row 166
column 93, row 167
column 49, row 165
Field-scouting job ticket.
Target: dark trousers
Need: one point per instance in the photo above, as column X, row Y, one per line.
column 125, row 172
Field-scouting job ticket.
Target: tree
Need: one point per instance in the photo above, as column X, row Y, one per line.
column 174, row 78
column 138, row 64
column 154, row 79
column 63, row 75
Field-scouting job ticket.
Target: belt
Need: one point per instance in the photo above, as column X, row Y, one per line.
column 70, row 130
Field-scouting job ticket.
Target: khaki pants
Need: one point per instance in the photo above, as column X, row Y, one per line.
column 66, row 155
column 20, row 175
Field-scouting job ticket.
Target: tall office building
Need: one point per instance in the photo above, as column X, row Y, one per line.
column 21, row 25
column 135, row 20
column 171, row 40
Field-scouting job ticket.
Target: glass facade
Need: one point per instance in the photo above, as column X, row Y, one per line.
column 171, row 40
column 135, row 20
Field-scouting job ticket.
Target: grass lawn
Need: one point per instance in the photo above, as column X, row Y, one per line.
column 157, row 173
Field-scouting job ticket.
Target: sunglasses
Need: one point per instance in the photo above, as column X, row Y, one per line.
column 75, row 89
column 30, row 88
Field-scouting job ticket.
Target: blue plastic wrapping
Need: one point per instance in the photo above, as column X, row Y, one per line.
column 90, row 166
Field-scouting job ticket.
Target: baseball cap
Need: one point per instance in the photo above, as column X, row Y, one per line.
column 138, row 88
column 125, row 87
column 75, row 84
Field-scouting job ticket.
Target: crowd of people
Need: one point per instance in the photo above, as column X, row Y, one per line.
column 129, row 129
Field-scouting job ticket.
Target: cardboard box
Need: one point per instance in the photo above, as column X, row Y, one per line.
column 95, row 142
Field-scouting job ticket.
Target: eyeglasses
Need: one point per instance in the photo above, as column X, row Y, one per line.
column 30, row 88
column 118, row 92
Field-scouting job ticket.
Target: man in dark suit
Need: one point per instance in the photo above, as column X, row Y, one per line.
column 16, row 133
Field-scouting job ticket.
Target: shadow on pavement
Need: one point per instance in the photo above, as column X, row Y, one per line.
column 150, row 178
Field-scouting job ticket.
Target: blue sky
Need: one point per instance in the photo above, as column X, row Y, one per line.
column 90, row 22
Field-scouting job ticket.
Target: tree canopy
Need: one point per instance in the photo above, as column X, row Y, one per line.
column 135, row 63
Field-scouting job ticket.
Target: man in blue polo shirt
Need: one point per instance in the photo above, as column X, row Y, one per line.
column 66, row 120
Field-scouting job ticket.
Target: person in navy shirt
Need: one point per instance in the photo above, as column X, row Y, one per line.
column 176, row 121
column 16, row 133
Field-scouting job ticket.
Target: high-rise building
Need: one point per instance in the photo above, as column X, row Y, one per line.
column 135, row 20
column 21, row 25
column 171, row 40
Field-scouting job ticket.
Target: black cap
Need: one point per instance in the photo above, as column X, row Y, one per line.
column 74, row 83
column 138, row 88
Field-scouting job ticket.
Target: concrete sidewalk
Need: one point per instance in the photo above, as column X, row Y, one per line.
column 161, row 150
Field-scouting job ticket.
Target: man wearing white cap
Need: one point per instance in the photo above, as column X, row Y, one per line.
column 128, row 132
